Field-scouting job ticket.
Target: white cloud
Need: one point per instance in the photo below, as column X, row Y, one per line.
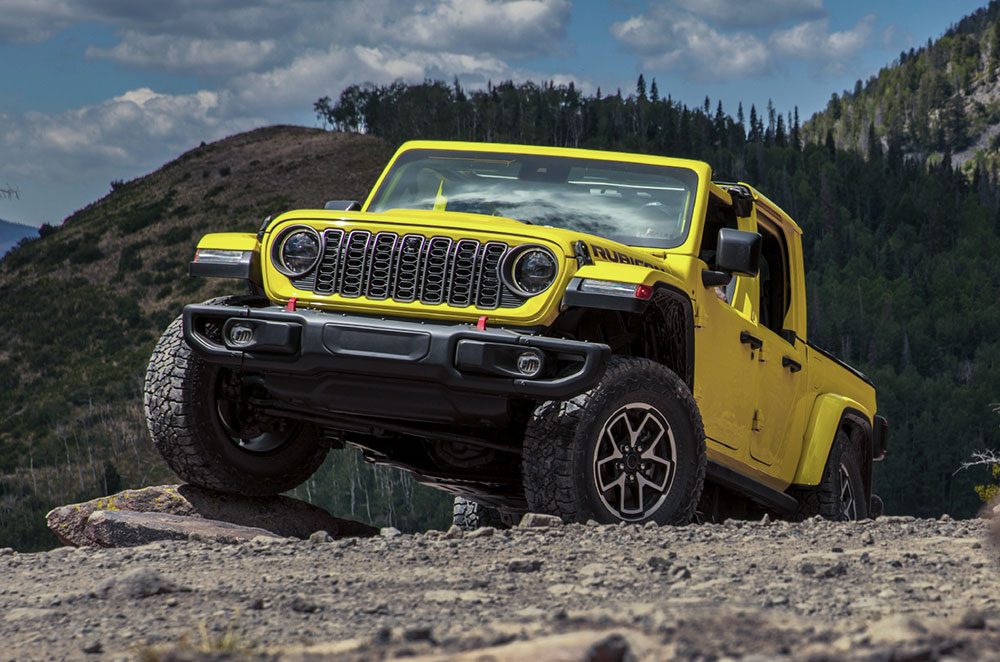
column 139, row 129
column 813, row 40
column 34, row 20
column 666, row 39
column 218, row 37
column 186, row 54
column 669, row 38
column 517, row 30
column 752, row 13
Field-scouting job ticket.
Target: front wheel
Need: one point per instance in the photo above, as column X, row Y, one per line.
column 208, row 432
column 632, row 449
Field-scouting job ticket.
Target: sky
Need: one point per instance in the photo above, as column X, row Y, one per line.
column 98, row 90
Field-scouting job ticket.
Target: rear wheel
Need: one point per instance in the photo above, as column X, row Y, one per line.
column 209, row 433
column 840, row 495
column 469, row 515
column 632, row 449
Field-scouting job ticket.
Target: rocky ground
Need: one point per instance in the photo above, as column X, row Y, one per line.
column 893, row 589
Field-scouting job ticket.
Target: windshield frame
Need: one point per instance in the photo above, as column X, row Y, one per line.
column 681, row 172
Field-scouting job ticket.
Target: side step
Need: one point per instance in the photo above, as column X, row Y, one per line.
column 765, row 495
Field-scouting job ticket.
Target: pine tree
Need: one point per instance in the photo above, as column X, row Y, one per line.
column 754, row 134
column 640, row 87
column 796, row 136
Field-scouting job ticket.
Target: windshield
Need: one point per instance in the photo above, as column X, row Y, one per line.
column 636, row 204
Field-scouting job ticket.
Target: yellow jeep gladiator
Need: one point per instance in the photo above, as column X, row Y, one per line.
column 589, row 334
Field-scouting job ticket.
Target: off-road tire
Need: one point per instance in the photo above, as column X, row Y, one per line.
column 183, row 420
column 563, row 440
column 469, row 515
column 841, row 474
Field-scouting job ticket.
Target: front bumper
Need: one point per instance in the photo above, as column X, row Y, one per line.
column 391, row 368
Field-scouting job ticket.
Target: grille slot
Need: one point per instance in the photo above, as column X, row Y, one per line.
column 463, row 272
column 326, row 273
column 380, row 266
column 435, row 270
column 411, row 267
column 355, row 257
column 489, row 276
column 408, row 269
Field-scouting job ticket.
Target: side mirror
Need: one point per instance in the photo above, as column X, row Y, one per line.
column 738, row 252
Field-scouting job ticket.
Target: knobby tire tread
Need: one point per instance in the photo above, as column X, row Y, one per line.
column 549, row 444
column 173, row 399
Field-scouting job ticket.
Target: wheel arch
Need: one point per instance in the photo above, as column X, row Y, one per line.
column 831, row 414
column 660, row 328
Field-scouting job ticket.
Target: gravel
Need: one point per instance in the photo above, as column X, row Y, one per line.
column 892, row 589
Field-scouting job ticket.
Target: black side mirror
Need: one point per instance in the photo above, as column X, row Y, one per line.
column 738, row 252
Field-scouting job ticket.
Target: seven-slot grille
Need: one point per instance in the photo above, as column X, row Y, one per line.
column 410, row 267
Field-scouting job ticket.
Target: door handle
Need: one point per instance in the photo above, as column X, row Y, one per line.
column 790, row 363
column 753, row 341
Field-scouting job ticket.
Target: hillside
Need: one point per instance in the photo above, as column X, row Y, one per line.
column 11, row 233
column 942, row 98
column 83, row 306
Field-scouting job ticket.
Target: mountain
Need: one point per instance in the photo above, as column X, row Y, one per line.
column 11, row 233
column 940, row 99
column 83, row 305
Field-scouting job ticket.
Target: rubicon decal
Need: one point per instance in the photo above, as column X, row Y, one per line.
column 602, row 253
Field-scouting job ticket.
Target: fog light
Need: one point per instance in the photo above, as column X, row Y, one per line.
column 240, row 334
column 529, row 364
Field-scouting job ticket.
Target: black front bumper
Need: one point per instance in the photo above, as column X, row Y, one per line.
column 391, row 368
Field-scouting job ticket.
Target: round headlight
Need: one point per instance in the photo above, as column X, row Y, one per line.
column 529, row 270
column 297, row 251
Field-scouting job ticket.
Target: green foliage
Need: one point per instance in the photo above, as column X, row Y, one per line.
column 176, row 234
column 924, row 102
column 129, row 261
column 85, row 254
column 140, row 216
column 990, row 490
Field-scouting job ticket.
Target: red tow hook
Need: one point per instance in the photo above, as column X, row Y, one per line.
column 291, row 304
column 481, row 324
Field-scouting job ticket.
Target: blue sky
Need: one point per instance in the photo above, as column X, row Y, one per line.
column 96, row 90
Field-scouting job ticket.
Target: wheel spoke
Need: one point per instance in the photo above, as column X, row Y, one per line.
column 660, row 487
column 650, row 454
column 611, row 458
column 847, row 505
column 609, row 433
column 642, row 426
column 634, row 454
column 619, row 483
column 604, row 487
column 643, row 483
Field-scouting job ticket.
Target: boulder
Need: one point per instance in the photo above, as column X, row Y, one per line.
column 123, row 528
column 277, row 515
column 539, row 520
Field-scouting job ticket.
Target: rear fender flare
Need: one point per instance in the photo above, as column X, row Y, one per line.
column 830, row 413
